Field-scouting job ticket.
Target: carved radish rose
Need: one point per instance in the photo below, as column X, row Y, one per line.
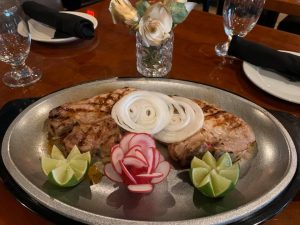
column 137, row 163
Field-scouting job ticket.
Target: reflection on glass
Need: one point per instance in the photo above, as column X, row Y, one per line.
column 15, row 45
column 239, row 16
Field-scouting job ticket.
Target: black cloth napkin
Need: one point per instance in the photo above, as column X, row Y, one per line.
column 66, row 25
column 285, row 64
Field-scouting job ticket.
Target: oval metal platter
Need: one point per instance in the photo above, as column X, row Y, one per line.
column 174, row 200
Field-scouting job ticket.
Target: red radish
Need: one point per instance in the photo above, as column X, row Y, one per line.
column 149, row 153
column 134, row 161
column 152, row 175
column 113, row 147
column 127, row 173
column 164, row 168
column 116, row 155
column 140, row 188
column 157, row 158
column 154, row 152
column 140, row 155
column 111, row 173
column 137, row 163
column 132, row 150
column 144, row 140
column 150, row 156
column 125, row 140
column 161, row 158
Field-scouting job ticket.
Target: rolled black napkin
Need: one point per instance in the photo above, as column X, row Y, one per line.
column 286, row 64
column 66, row 25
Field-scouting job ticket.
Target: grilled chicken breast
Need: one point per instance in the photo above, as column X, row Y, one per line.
column 89, row 125
column 222, row 132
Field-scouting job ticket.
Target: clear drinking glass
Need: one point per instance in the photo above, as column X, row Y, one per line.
column 239, row 16
column 15, row 43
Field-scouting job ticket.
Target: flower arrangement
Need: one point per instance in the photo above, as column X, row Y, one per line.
column 153, row 19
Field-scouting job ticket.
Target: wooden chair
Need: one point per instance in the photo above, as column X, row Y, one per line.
column 290, row 24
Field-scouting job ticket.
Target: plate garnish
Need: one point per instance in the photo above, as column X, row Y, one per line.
column 137, row 163
column 65, row 172
column 214, row 178
column 119, row 128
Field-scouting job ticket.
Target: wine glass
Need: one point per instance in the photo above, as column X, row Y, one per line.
column 15, row 43
column 239, row 16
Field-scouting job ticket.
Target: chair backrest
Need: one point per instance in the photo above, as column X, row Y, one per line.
column 220, row 7
column 206, row 4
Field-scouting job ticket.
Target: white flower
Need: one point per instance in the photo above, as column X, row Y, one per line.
column 122, row 10
column 155, row 25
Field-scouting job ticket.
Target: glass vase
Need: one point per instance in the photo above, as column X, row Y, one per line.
column 154, row 61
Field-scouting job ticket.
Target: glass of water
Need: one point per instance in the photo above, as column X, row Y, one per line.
column 15, row 43
column 239, row 16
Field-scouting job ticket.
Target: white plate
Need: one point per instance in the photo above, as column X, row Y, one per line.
column 43, row 33
column 273, row 83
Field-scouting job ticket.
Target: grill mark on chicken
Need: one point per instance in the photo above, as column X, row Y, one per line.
column 222, row 132
column 215, row 114
column 88, row 124
column 90, row 137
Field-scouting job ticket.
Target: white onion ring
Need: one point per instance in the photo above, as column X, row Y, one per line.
column 142, row 111
column 182, row 127
column 168, row 119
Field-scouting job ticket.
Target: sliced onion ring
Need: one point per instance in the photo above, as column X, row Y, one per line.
column 182, row 127
column 168, row 119
column 143, row 112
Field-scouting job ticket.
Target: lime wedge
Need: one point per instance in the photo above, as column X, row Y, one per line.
column 224, row 161
column 220, row 184
column 214, row 178
column 49, row 164
column 206, row 187
column 63, row 176
column 66, row 172
column 232, row 173
column 84, row 156
column 79, row 167
column 196, row 162
column 197, row 175
column 56, row 153
column 74, row 152
column 209, row 159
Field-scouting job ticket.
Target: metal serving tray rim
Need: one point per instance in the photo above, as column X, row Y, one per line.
column 88, row 217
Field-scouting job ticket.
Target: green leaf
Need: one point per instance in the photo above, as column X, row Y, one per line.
column 141, row 7
column 178, row 11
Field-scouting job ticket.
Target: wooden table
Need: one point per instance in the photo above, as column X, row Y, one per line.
column 112, row 53
column 291, row 7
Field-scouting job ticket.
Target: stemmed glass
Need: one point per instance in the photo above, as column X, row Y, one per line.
column 239, row 16
column 15, row 43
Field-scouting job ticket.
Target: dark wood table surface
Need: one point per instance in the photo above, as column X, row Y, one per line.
column 112, row 54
